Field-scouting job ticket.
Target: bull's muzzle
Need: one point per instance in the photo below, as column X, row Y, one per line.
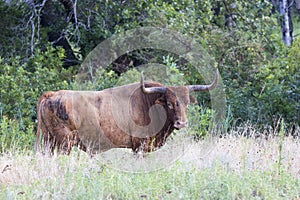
column 180, row 124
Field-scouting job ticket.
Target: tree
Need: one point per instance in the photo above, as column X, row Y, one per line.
column 298, row 5
column 286, row 21
column 55, row 22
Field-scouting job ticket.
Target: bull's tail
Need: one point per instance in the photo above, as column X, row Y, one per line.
column 40, row 113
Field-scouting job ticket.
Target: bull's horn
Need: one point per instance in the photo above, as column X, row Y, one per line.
column 205, row 87
column 151, row 89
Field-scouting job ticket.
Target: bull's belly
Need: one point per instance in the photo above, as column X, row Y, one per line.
column 99, row 139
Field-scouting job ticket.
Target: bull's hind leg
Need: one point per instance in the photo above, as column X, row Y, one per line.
column 69, row 140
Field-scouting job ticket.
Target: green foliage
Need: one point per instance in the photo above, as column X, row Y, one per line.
column 175, row 77
column 130, row 76
column 167, row 73
column 14, row 34
column 266, row 92
column 200, row 121
column 22, row 84
column 259, row 72
column 14, row 137
column 98, row 80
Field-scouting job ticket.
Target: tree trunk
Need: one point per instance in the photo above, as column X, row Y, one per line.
column 298, row 5
column 230, row 15
column 56, row 35
column 286, row 21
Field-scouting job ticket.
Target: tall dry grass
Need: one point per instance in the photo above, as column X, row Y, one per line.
column 231, row 167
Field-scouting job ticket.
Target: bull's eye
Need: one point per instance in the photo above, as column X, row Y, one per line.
column 177, row 103
column 170, row 105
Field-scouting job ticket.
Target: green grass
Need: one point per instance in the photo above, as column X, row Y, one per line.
column 234, row 168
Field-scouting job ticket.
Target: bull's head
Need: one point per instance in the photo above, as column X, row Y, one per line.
column 176, row 99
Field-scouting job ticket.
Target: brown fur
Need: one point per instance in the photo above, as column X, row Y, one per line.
column 89, row 119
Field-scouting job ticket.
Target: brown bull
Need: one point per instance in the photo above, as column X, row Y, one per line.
column 140, row 116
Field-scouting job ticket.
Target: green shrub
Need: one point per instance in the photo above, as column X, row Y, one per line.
column 200, row 121
column 14, row 137
column 98, row 80
column 23, row 83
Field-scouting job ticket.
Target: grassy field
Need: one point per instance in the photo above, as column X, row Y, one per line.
column 231, row 167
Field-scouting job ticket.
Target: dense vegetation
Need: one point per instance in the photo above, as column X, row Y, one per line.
column 44, row 42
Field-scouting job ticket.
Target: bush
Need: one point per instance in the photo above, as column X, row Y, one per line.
column 14, row 137
column 23, row 83
column 263, row 93
column 98, row 80
column 199, row 121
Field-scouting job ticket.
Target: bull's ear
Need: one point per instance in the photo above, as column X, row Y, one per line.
column 193, row 100
column 160, row 101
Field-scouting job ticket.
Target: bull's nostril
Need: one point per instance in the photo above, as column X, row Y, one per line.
column 179, row 124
